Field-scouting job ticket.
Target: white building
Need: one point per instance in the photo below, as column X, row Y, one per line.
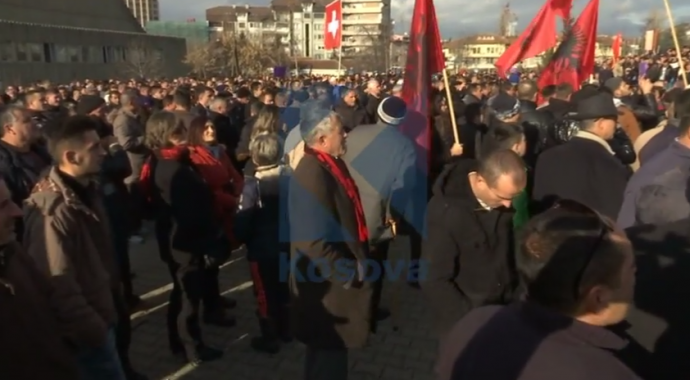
column 308, row 32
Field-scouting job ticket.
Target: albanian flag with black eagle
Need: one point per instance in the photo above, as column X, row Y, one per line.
column 573, row 60
column 424, row 58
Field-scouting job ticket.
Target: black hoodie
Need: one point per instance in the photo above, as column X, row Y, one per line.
column 469, row 250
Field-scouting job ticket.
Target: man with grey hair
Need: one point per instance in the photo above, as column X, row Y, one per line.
column 385, row 181
column 226, row 133
column 329, row 244
column 373, row 99
column 351, row 112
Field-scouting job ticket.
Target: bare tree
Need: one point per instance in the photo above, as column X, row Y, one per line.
column 142, row 60
column 373, row 55
column 201, row 60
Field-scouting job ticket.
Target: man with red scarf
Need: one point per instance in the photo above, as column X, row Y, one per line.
column 331, row 298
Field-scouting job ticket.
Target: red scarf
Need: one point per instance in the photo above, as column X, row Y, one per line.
column 145, row 180
column 342, row 175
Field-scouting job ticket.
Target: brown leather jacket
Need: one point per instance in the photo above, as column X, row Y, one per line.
column 31, row 346
column 71, row 243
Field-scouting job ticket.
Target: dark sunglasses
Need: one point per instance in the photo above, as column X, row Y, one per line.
column 604, row 228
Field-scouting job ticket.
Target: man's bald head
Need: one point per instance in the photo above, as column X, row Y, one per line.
column 527, row 90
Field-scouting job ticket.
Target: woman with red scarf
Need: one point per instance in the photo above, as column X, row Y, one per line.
column 331, row 297
column 216, row 168
column 188, row 231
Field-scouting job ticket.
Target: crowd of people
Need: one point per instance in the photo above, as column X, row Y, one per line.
column 551, row 229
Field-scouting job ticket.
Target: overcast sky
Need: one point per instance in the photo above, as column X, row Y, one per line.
column 461, row 17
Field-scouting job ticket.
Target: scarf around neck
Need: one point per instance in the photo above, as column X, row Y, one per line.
column 339, row 170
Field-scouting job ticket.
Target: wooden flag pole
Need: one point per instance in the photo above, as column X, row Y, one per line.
column 675, row 42
column 449, row 100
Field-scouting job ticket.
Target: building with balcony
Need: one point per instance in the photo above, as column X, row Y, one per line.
column 367, row 30
column 49, row 40
column 271, row 25
column 309, row 25
column 144, row 10
column 194, row 32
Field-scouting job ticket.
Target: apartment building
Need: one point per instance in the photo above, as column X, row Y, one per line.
column 367, row 27
column 308, row 31
column 144, row 10
column 250, row 21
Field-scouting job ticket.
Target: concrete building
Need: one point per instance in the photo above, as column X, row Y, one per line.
column 50, row 40
column 144, row 10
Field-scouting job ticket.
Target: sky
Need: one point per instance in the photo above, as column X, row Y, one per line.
column 464, row 17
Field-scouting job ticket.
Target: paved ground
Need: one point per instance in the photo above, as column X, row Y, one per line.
column 407, row 354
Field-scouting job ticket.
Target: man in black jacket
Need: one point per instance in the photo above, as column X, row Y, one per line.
column 469, row 250
column 352, row 113
column 21, row 159
column 585, row 168
column 535, row 123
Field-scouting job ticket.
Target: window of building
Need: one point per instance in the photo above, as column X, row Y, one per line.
column 242, row 25
column 61, row 54
column 318, row 36
column 95, row 54
column 6, row 51
column 253, row 25
column 35, row 52
column 74, row 53
column 22, row 52
column 85, row 54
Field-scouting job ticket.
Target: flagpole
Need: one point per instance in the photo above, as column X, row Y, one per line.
column 449, row 101
column 340, row 58
column 675, row 42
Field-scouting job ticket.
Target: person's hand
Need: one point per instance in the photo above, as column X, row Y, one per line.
column 456, row 150
column 645, row 84
column 108, row 141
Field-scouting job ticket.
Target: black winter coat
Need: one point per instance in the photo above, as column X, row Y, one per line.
column 582, row 170
column 469, row 250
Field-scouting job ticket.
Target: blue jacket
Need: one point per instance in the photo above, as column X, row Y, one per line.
column 260, row 223
column 675, row 157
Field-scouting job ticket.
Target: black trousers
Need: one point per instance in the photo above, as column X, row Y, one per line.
column 136, row 200
column 321, row 364
column 123, row 331
column 184, row 328
column 211, row 296
column 379, row 255
column 271, row 292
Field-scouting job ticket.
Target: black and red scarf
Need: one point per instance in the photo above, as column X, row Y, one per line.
column 342, row 175
column 145, row 180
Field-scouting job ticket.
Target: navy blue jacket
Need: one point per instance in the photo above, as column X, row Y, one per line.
column 261, row 223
